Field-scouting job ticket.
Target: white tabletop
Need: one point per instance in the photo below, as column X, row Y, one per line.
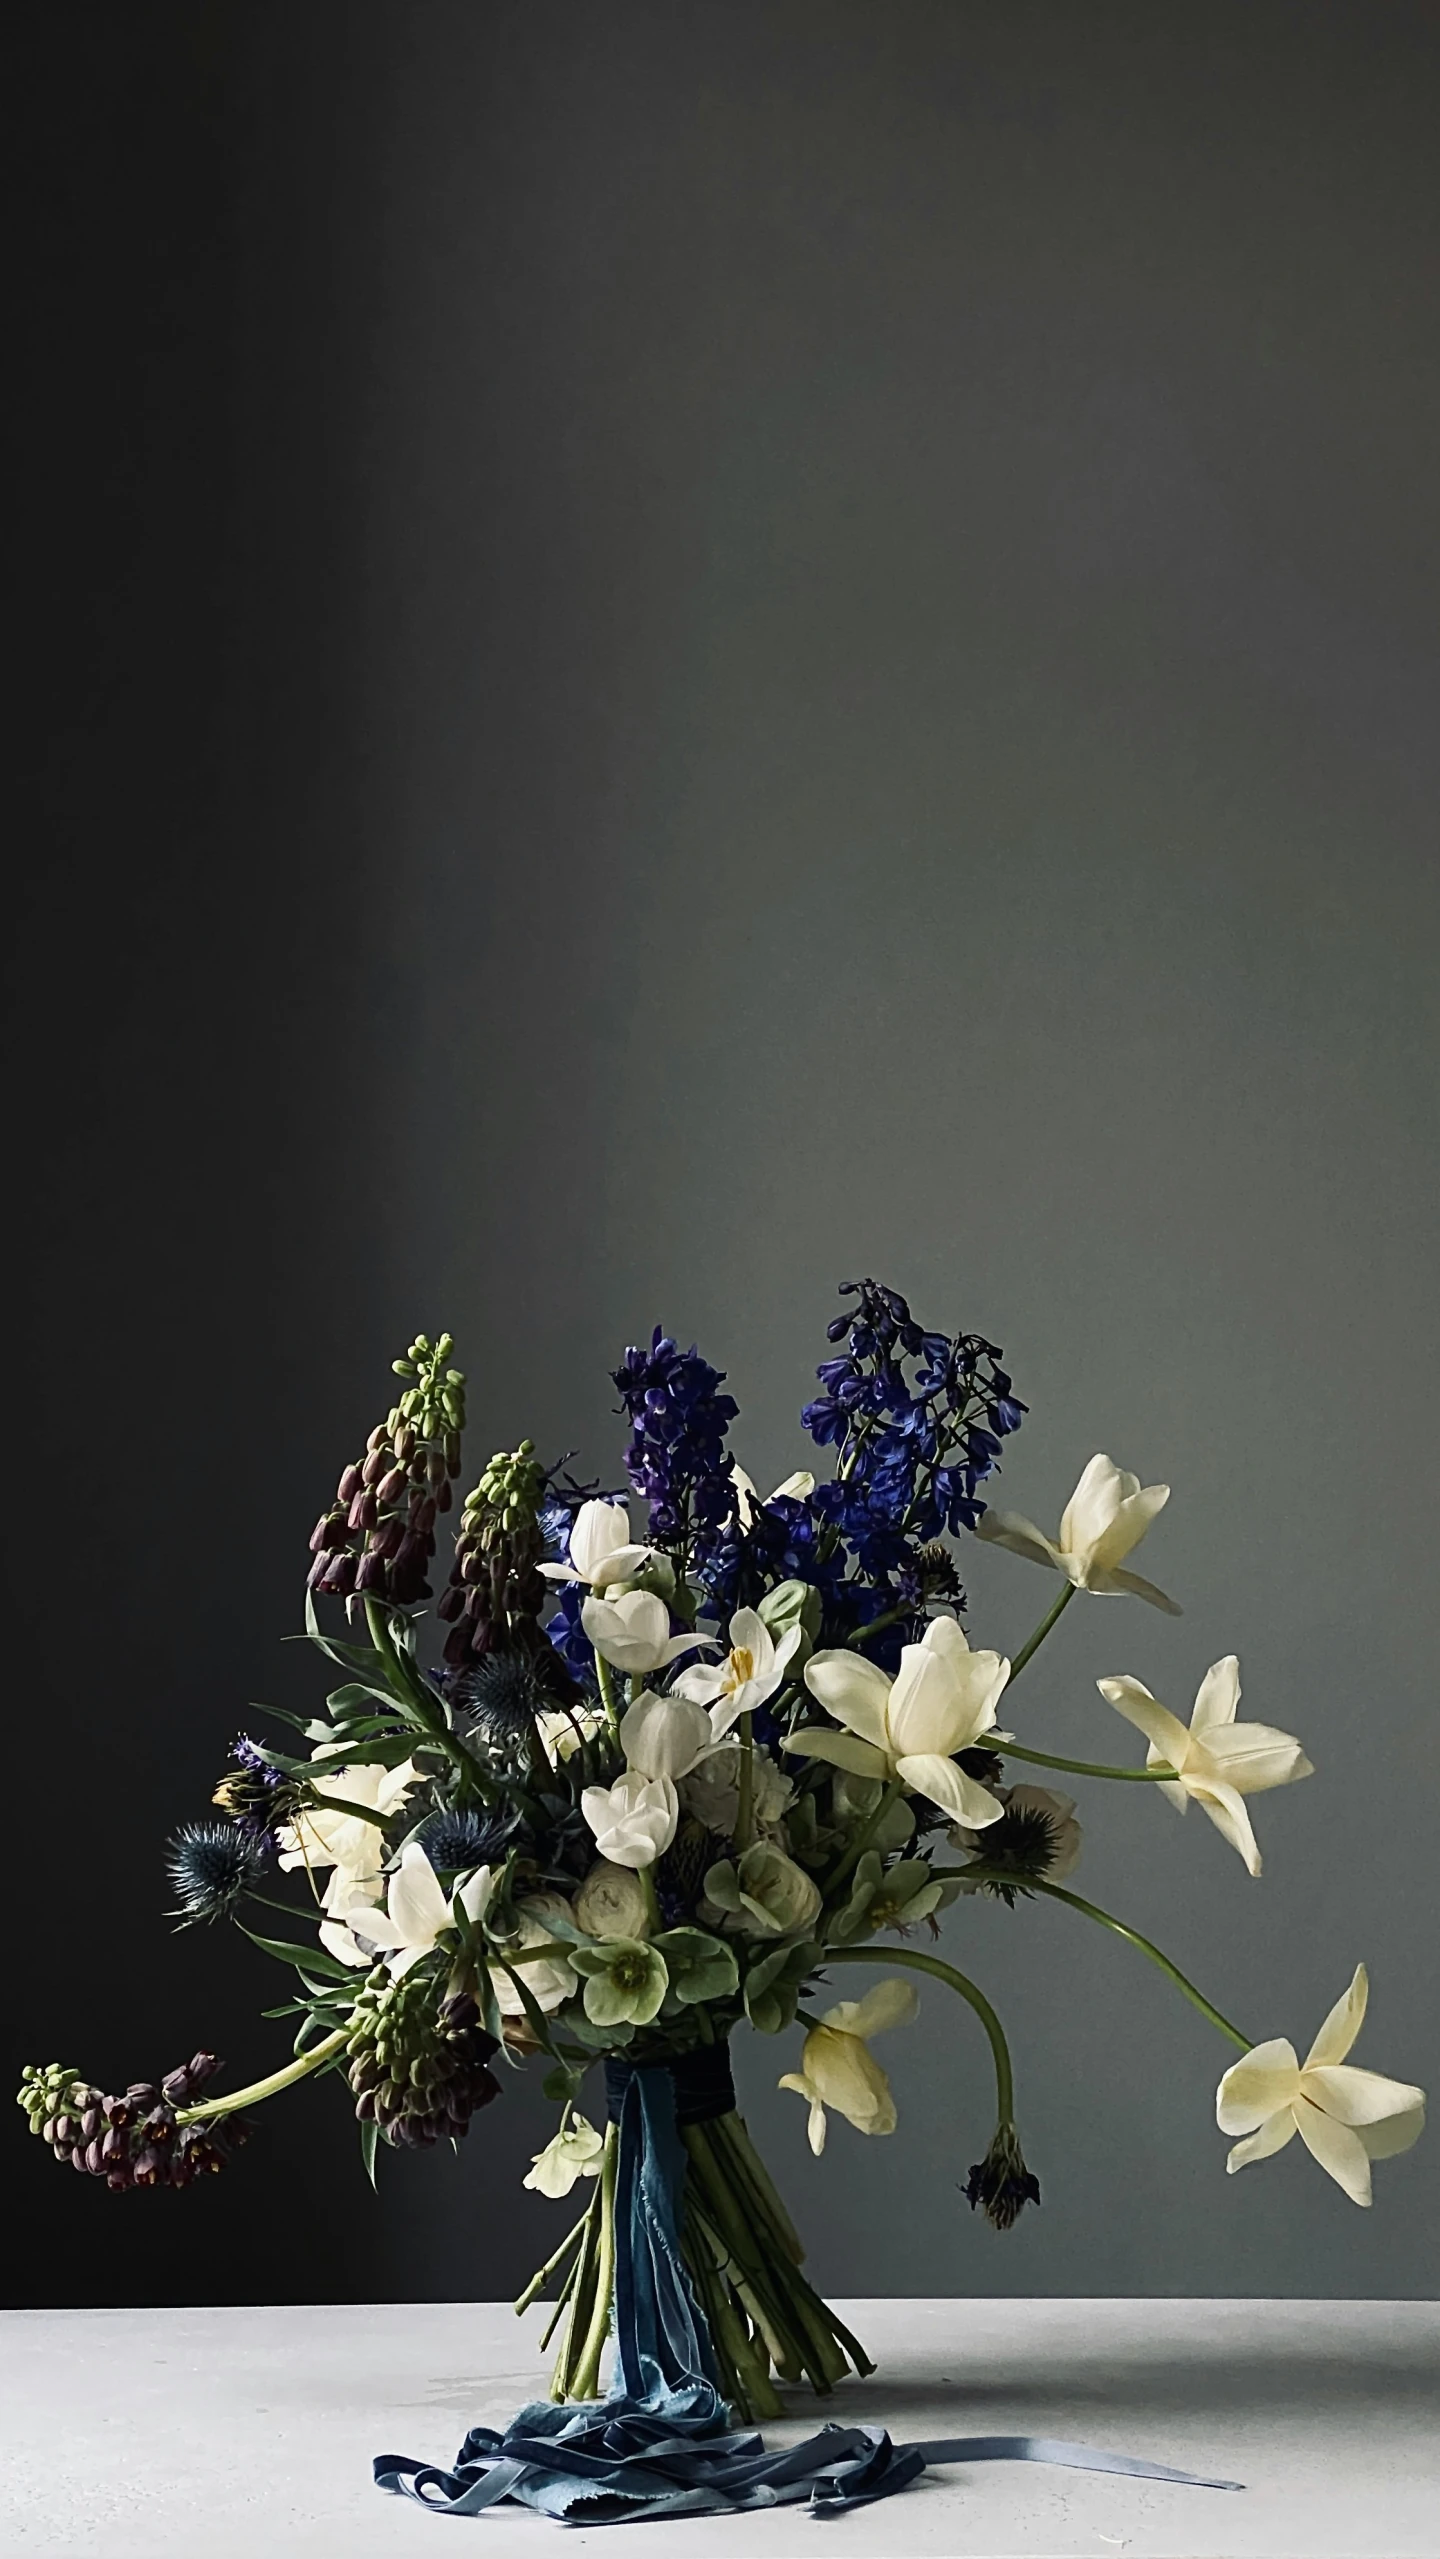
column 144, row 2434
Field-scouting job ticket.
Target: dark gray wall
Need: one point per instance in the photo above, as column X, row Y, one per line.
column 673, row 653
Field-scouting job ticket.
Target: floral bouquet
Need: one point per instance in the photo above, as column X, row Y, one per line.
column 673, row 1776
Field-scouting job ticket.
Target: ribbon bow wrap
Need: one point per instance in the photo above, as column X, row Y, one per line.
column 662, row 2443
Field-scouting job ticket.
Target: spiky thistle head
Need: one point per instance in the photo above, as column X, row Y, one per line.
column 210, row 1864
column 455, row 1841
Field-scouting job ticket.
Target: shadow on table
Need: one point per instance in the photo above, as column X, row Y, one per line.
column 1252, row 2383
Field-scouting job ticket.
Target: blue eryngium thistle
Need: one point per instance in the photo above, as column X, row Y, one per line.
column 210, row 1864
column 456, row 1841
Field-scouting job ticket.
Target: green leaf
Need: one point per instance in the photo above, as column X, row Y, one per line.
column 312, row 1958
column 369, row 2136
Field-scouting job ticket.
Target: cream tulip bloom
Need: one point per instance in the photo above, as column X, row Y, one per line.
column 632, row 1631
column 1105, row 1517
column 1345, row 2117
column 751, row 1671
column 601, row 1549
column 634, row 1820
column 837, row 2067
column 418, row 1911
column 1216, row 1761
column 322, row 1837
column 663, row 1736
column 941, row 1700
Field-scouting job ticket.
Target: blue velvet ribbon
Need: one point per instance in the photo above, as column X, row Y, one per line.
column 662, row 2444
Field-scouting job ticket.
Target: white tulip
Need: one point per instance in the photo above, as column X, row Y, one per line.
column 612, row 1902
column 564, row 1730
column 550, row 1979
column 941, row 1701
column 634, row 1820
column 663, row 1736
column 1345, row 2117
column 417, row 1912
column 796, row 1488
column 575, row 2152
column 751, row 1672
column 348, row 1897
column 1216, row 1761
column 601, row 1551
column 837, row 2067
column 1105, row 1517
column 632, row 1631
column 321, row 1837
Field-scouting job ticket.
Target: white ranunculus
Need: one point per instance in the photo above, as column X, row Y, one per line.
column 1345, row 2117
column 1104, row 1519
column 632, row 1631
column 663, row 1736
column 712, row 1790
column 1059, row 1813
column 550, row 1979
column 612, row 1902
column 941, row 1701
column 321, row 1837
column 601, row 1550
column 751, row 1671
column 574, row 2153
column 634, row 1820
column 417, row 1912
column 1216, row 1761
column 837, row 2067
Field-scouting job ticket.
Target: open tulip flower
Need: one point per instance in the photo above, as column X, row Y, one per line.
column 1216, row 1761
column 601, row 1550
column 941, row 1700
column 837, row 2067
column 632, row 1631
column 1103, row 1521
column 1345, row 2117
column 417, row 1911
column 750, row 1673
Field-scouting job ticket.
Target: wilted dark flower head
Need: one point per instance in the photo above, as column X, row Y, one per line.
column 1000, row 2183
column 210, row 1864
column 253, row 1793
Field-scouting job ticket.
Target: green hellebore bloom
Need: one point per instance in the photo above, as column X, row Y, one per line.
column 700, row 1966
column 625, row 1981
column 877, row 1900
column 793, row 1604
column 773, row 1984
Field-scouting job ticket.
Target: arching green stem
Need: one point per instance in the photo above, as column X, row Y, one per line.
column 1132, row 1936
column 1052, row 1618
column 271, row 2087
column 964, row 1989
column 1161, row 1775
column 608, row 1698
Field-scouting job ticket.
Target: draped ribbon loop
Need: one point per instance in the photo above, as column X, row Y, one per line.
column 663, row 2444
